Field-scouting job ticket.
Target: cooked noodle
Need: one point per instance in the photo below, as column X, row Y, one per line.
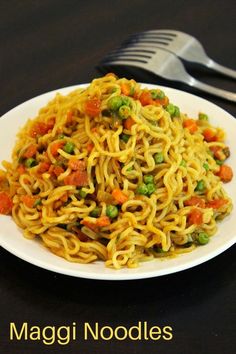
column 147, row 184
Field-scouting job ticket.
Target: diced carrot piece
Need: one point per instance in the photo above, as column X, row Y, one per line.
column 119, row 196
column 195, row 217
column 26, row 181
column 43, row 167
column 50, row 123
column 69, row 117
column 75, row 164
column 93, row 107
column 57, row 204
column 90, row 147
column 55, row 146
column 57, row 170
column 217, row 203
column 162, row 101
column 145, row 98
column 103, row 221
column 100, row 222
column 217, row 152
column 64, row 197
column 209, row 135
column 125, row 89
column 78, row 178
column 195, row 201
column 21, row 169
column 90, row 225
column 191, row 125
column 225, row 173
column 28, row 200
column 6, row 203
column 30, row 151
column 41, row 128
column 38, row 128
column 128, row 123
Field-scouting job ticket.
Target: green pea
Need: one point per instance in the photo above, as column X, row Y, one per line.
column 158, row 158
column 124, row 112
column 112, row 211
column 148, row 179
column 125, row 137
column 203, row 116
column 30, row 162
column 142, row 189
column 173, row 110
column 203, row 238
column 37, row 202
column 206, row 166
column 82, row 193
column 132, row 90
column 219, row 162
column 183, row 163
column 157, row 94
column 200, row 186
column 70, row 226
column 96, row 212
column 61, row 136
column 187, row 244
column 114, row 103
column 69, row 147
column 159, row 249
column 62, row 226
column 151, row 188
column 177, row 112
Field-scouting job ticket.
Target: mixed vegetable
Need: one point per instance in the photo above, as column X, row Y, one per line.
column 56, row 157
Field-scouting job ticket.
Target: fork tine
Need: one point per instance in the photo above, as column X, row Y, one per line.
column 154, row 34
column 129, row 61
column 165, row 32
column 146, row 40
column 134, row 48
column 149, row 39
column 130, row 56
column 130, row 53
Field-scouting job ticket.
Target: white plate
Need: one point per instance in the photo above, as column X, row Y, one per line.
column 33, row 252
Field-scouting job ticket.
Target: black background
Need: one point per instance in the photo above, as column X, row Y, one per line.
column 46, row 45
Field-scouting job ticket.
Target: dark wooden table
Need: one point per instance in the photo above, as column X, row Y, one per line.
column 46, row 45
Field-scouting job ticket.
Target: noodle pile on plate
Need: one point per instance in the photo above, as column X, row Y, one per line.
column 116, row 172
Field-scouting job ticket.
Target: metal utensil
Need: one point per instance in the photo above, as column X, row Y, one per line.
column 182, row 44
column 161, row 63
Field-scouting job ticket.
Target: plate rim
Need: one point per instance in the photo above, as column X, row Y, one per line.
column 115, row 275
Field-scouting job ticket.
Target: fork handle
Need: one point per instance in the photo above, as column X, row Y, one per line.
column 228, row 95
column 221, row 69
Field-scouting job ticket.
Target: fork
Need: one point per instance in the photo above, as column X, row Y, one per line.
column 183, row 45
column 162, row 63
